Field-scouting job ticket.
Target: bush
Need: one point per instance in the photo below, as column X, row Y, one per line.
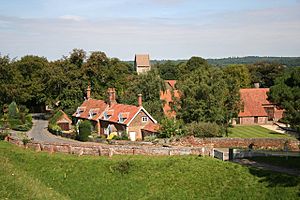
column 54, row 129
column 3, row 134
column 85, row 129
column 13, row 111
column 170, row 128
column 204, row 129
column 150, row 138
column 122, row 136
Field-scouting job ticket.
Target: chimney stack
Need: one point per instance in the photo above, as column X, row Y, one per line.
column 140, row 101
column 111, row 96
column 88, row 92
column 256, row 85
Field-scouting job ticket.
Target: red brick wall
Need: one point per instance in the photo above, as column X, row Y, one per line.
column 136, row 125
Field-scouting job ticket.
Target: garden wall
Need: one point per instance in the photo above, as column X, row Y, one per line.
column 257, row 143
column 184, row 146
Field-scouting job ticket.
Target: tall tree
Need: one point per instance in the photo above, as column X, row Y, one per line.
column 265, row 73
column 286, row 94
column 206, row 96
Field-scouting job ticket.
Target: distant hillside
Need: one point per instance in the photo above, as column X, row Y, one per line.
column 288, row 61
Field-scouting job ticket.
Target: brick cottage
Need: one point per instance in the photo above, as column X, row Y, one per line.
column 109, row 117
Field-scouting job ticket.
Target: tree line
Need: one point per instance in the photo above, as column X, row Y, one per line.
column 209, row 94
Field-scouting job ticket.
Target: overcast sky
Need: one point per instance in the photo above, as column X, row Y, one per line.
column 166, row 29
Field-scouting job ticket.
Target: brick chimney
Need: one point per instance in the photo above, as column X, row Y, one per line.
column 111, row 96
column 88, row 92
column 140, row 100
column 256, row 85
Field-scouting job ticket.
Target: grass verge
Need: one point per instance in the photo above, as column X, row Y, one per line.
column 25, row 174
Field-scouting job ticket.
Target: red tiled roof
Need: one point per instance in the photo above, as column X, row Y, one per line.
column 167, row 97
column 142, row 60
column 152, row 127
column 91, row 104
column 171, row 83
column 126, row 111
column 253, row 100
column 64, row 117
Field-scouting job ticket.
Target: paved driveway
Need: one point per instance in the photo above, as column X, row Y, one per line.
column 39, row 131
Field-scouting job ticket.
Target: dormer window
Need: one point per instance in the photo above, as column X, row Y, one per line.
column 79, row 111
column 93, row 113
column 108, row 114
column 122, row 117
column 144, row 119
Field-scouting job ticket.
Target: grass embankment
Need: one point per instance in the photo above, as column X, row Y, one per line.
column 25, row 174
column 282, row 161
column 255, row 131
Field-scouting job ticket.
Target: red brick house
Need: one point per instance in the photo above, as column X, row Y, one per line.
column 64, row 122
column 108, row 117
column 256, row 109
column 167, row 97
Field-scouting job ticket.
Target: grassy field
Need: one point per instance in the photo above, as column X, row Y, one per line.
column 291, row 162
column 25, row 174
column 254, row 131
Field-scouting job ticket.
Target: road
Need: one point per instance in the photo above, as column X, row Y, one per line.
column 40, row 133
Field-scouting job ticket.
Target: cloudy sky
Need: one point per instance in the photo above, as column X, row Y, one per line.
column 166, row 29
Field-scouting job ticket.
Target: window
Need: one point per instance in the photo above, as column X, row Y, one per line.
column 144, row 119
column 255, row 120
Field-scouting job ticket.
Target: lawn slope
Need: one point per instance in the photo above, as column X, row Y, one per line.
column 255, row 131
column 25, row 174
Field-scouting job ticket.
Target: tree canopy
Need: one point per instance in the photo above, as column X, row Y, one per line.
column 286, row 94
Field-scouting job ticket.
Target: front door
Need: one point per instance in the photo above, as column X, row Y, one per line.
column 132, row 136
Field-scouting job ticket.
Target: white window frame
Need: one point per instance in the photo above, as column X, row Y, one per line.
column 145, row 119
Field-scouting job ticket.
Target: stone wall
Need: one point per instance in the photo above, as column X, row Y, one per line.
column 258, row 143
column 110, row 150
column 185, row 146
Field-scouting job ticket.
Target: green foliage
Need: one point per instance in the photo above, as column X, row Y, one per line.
column 265, row 73
column 204, row 129
column 286, row 94
column 3, row 134
column 237, row 75
column 85, row 129
column 149, row 85
column 170, row 128
column 122, row 136
column 168, row 70
column 55, row 117
column 18, row 119
column 54, row 129
column 13, row 111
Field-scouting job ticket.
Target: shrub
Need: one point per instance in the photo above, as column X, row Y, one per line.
column 204, row 129
column 150, row 138
column 170, row 128
column 55, row 117
column 54, row 129
column 85, row 129
column 122, row 136
column 13, row 111
column 3, row 134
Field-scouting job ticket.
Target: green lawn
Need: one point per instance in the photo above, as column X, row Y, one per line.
column 254, row 131
column 25, row 174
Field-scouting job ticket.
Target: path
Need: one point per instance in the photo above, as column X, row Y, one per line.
column 265, row 166
column 274, row 128
column 39, row 131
